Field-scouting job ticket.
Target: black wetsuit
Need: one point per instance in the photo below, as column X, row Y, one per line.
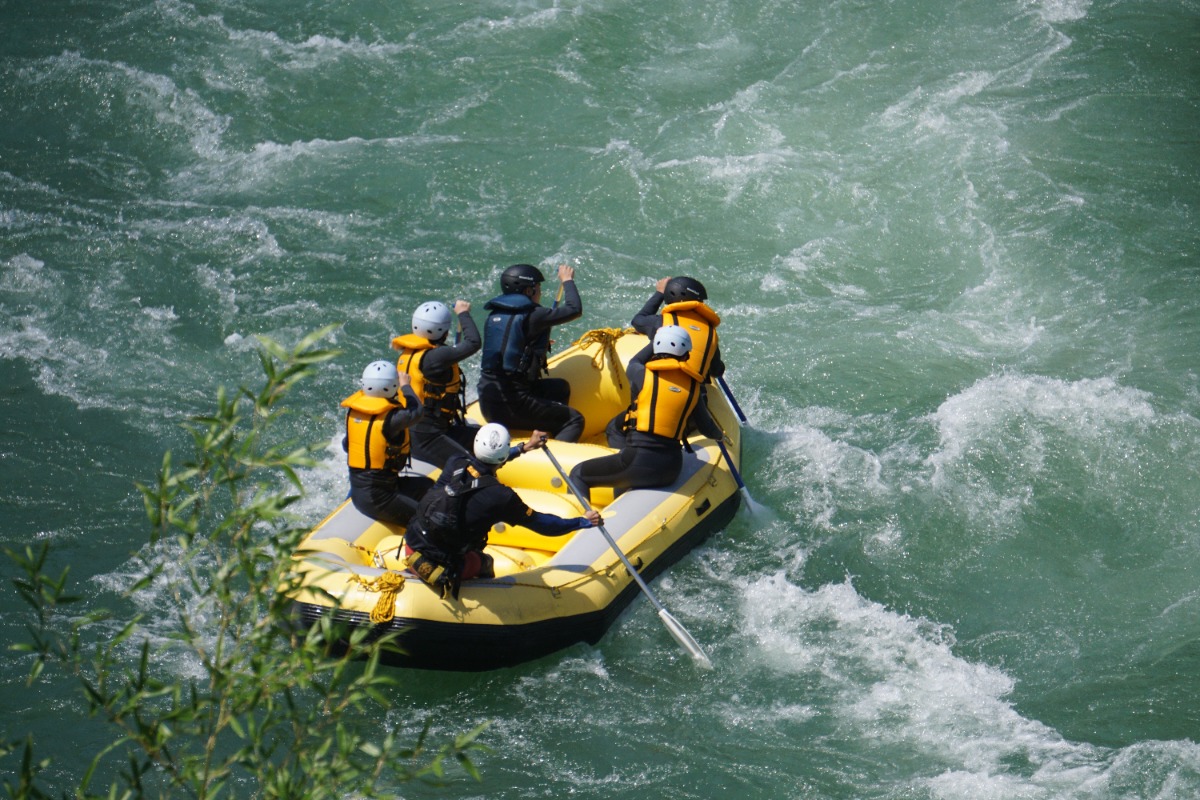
column 523, row 399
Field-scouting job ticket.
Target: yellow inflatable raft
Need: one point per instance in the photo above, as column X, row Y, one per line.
column 549, row 592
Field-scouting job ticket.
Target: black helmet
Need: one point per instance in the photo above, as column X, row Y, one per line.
column 682, row 288
column 520, row 277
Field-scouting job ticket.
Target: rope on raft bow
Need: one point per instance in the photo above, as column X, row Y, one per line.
column 607, row 339
column 388, row 585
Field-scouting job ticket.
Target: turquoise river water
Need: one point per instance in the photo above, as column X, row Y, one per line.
column 955, row 246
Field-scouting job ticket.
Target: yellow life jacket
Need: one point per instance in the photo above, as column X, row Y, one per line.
column 366, row 446
column 701, row 323
column 439, row 399
column 668, row 396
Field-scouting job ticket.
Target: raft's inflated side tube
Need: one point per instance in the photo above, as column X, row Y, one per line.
column 550, row 592
column 506, row 622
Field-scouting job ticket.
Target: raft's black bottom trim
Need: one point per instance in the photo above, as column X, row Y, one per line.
column 473, row 648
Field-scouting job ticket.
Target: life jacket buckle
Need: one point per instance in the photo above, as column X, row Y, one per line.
column 428, row 570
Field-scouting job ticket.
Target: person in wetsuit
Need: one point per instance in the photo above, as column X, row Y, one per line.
column 433, row 365
column 445, row 539
column 649, row 435
column 378, row 417
column 513, row 388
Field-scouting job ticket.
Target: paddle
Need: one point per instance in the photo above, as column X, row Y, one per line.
column 673, row 625
column 737, row 476
column 755, row 509
column 732, row 400
column 733, row 470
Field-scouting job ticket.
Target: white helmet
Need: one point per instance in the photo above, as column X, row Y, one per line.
column 673, row 340
column 492, row 443
column 380, row 379
column 431, row 320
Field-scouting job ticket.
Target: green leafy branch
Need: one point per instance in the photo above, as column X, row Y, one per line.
column 277, row 710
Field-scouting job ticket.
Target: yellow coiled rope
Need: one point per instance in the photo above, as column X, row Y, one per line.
column 607, row 339
column 388, row 585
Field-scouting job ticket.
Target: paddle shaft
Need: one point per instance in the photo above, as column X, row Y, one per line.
column 607, row 536
column 733, row 470
column 732, row 400
column 674, row 626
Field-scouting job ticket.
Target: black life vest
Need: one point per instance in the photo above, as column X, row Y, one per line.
column 441, row 515
column 507, row 347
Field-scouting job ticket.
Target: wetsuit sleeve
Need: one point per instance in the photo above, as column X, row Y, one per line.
column 648, row 320
column 470, row 333
column 551, row 525
column 636, row 371
column 717, row 368
column 440, row 358
column 571, row 308
column 404, row 416
column 515, row 512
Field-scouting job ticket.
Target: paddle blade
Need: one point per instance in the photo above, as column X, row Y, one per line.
column 756, row 508
column 684, row 638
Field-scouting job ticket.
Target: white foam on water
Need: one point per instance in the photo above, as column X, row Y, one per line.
column 1060, row 10
column 893, row 685
column 64, row 367
column 266, row 161
column 745, row 113
column 170, row 596
column 163, row 603
column 929, row 111
column 1090, row 410
column 1006, row 442
column 172, row 112
column 455, row 110
column 634, row 162
column 326, row 485
column 315, row 52
column 818, row 474
column 270, row 163
column 736, row 173
column 252, row 46
column 535, row 19
column 25, row 275
column 222, row 284
column 74, row 359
